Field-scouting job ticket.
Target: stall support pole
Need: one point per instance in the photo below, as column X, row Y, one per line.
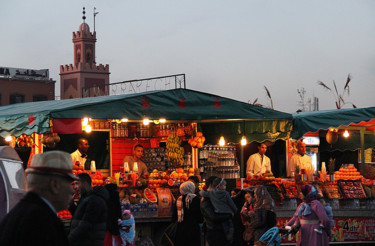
column 242, row 170
column 362, row 134
column 194, row 151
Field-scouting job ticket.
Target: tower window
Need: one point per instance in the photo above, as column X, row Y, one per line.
column 88, row 56
column 16, row 98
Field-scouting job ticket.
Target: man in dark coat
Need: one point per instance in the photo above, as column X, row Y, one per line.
column 34, row 221
column 88, row 224
column 214, row 231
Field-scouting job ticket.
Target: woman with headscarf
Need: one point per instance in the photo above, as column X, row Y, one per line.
column 188, row 216
column 262, row 217
column 308, row 216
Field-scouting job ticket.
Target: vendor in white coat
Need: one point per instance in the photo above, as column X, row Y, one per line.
column 301, row 161
column 258, row 163
column 80, row 155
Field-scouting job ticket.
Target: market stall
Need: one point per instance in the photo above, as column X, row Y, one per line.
column 348, row 186
column 171, row 125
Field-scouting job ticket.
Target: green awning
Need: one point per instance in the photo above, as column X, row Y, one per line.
column 254, row 130
column 322, row 120
column 24, row 124
column 353, row 142
column 177, row 104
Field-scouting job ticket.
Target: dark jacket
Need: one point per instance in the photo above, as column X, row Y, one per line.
column 188, row 231
column 32, row 222
column 212, row 220
column 114, row 209
column 220, row 200
column 89, row 220
column 213, row 227
column 239, row 228
column 260, row 221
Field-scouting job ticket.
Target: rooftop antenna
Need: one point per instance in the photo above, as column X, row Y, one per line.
column 95, row 13
column 83, row 17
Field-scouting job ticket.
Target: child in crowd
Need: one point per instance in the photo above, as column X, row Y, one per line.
column 127, row 228
column 328, row 209
column 222, row 204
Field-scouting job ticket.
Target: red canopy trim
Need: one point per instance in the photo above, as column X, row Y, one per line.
column 67, row 126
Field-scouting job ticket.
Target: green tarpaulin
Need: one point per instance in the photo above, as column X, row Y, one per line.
column 177, row 104
column 322, row 120
column 259, row 131
column 351, row 143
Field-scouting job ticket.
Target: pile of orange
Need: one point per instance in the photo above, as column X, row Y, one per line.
column 96, row 178
column 348, row 173
column 197, row 141
column 290, row 188
column 332, row 189
column 65, row 214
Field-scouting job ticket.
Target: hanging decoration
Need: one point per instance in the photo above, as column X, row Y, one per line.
column 182, row 103
column 332, row 136
column 197, row 141
column 217, row 102
column 24, row 141
column 145, row 102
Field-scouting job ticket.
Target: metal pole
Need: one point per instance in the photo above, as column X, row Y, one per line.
column 362, row 134
column 242, row 169
column 94, row 18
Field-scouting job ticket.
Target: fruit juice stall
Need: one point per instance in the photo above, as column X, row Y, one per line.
column 347, row 185
column 169, row 124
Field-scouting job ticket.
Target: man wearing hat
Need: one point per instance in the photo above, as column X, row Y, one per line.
column 34, row 221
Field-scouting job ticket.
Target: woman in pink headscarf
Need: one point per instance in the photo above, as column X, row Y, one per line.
column 188, row 215
column 307, row 218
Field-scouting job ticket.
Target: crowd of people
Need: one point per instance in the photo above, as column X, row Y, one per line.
column 243, row 217
column 212, row 217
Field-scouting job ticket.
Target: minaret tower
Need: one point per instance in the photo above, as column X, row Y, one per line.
column 84, row 78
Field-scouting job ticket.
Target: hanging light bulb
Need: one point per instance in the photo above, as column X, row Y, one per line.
column 162, row 120
column 222, row 141
column 85, row 121
column 346, row 133
column 124, row 119
column 8, row 138
column 146, row 121
column 243, row 141
column 88, row 128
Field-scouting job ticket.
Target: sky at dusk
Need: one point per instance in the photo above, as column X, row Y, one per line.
column 229, row 48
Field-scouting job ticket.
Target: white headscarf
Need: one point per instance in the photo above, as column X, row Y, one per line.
column 187, row 189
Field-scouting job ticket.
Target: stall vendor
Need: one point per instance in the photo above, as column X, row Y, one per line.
column 258, row 163
column 301, row 161
column 137, row 158
column 79, row 157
